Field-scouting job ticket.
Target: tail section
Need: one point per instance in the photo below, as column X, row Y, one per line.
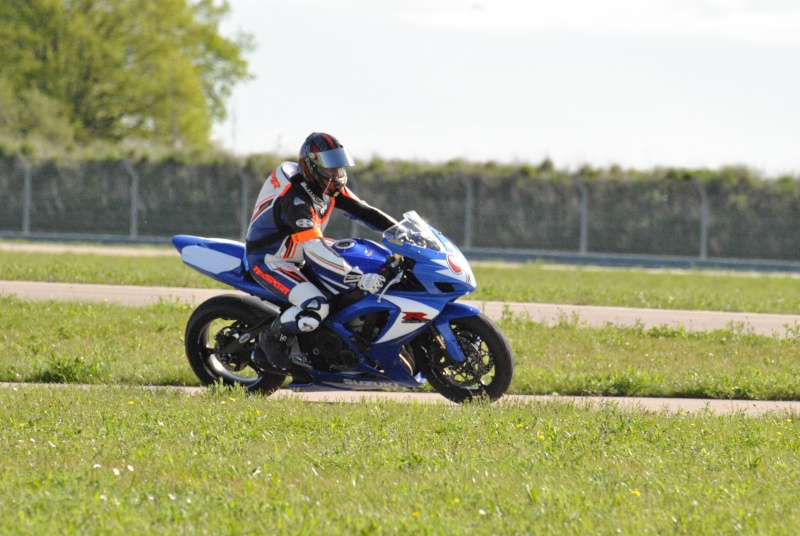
column 220, row 259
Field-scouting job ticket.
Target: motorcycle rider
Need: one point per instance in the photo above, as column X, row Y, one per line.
column 286, row 230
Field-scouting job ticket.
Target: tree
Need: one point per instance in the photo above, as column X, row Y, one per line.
column 155, row 70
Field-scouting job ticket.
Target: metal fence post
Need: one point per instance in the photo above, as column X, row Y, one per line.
column 134, row 198
column 468, row 209
column 27, row 196
column 583, row 240
column 246, row 208
column 703, row 218
column 352, row 184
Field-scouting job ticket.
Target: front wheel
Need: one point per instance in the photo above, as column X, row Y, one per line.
column 487, row 370
column 216, row 324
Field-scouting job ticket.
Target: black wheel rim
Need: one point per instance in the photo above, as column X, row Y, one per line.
column 477, row 370
column 231, row 367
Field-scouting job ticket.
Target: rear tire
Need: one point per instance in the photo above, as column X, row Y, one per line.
column 220, row 320
column 487, row 371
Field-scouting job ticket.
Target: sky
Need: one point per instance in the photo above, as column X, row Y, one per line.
column 634, row 83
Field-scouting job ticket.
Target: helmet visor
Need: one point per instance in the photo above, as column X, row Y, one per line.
column 335, row 158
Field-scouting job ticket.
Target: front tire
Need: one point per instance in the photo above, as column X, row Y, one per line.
column 487, row 370
column 217, row 322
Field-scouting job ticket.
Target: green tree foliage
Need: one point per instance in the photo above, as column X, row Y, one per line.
column 33, row 116
column 122, row 69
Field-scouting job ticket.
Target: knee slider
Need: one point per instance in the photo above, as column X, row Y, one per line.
column 312, row 312
column 307, row 321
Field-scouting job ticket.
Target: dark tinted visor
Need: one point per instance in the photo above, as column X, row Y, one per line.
column 334, row 158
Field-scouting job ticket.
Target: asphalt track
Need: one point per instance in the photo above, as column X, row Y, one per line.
column 766, row 324
column 593, row 316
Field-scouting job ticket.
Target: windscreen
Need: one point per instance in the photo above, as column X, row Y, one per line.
column 414, row 231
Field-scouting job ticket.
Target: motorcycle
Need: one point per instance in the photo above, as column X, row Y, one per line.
column 411, row 332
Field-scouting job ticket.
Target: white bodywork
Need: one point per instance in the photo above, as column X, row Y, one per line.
column 402, row 326
column 211, row 261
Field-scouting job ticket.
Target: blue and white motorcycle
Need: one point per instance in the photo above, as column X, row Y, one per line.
column 411, row 332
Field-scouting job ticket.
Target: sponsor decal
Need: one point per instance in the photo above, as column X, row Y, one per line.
column 280, row 287
column 367, row 383
column 454, row 265
column 273, row 180
column 304, row 223
column 314, row 197
column 415, row 318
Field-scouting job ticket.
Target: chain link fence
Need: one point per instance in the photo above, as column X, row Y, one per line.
column 658, row 215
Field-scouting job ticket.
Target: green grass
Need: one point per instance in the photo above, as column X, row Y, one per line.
column 98, row 343
column 167, row 270
column 532, row 282
column 109, row 460
column 121, row 459
column 692, row 289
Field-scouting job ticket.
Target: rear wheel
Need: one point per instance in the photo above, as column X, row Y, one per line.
column 219, row 323
column 487, row 369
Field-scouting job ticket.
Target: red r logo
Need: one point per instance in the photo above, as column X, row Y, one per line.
column 414, row 318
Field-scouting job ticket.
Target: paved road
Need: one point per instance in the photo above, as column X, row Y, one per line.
column 672, row 406
column 765, row 324
column 590, row 315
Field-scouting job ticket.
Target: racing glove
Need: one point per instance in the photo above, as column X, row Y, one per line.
column 371, row 283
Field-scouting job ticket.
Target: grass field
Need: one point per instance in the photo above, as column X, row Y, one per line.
column 113, row 459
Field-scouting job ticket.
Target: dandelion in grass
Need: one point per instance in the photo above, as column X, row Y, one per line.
column 541, row 437
column 636, row 493
column 788, row 420
column 415, row 514
column 131, row 402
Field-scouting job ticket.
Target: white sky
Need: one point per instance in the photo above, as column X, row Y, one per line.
column 639, row 83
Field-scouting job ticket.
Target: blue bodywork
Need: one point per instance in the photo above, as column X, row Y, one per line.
column 444, row 275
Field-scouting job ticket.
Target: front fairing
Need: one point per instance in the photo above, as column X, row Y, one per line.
column 438, row 264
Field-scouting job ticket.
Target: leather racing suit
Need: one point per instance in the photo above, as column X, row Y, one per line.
column 286, row 229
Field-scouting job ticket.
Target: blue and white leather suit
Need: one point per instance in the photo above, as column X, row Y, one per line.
column 286, row 229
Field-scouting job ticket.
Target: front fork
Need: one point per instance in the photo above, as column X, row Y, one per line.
column 443, row 333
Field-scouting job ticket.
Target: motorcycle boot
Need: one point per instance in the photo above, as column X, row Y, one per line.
column 272, row 351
